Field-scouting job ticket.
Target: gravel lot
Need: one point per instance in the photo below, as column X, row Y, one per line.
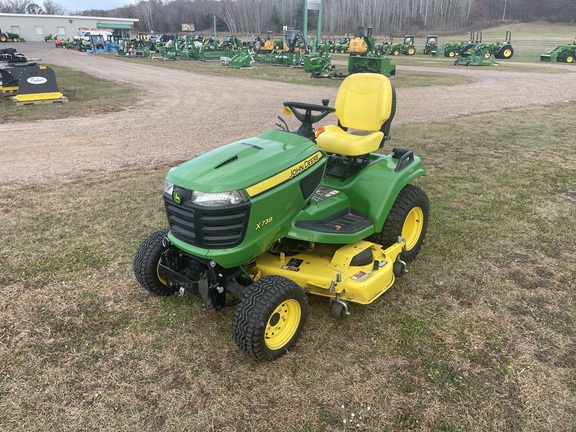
column 213, row 111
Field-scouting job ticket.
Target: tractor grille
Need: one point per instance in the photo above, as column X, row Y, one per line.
column 207, row 227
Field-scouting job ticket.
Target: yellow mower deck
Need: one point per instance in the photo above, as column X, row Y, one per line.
column 317, row 270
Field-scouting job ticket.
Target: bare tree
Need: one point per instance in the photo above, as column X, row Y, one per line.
column 53, row 8
column 14, row 6
column 339, row 16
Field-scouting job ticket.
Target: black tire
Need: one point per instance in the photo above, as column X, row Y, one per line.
column 408, row 218
column 506, row 52
column 269, row 318
column 146, row 262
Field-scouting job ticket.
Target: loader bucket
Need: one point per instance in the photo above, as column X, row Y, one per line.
column 34, row 82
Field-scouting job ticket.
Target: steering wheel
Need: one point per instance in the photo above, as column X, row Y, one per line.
column 307, row 117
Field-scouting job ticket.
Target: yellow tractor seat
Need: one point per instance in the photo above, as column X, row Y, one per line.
column 365, row 102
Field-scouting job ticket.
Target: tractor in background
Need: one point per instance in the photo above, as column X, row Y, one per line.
column 497, row 49
column 7, row 36
column 454, row 49
column 363, row 56
column 341, row 47
column 561, row 53
column 431, row 44
column 405, row 47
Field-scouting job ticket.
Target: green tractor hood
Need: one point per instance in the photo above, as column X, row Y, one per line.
column 243, row 163
column 275, row 175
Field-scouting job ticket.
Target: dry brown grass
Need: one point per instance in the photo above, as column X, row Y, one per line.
column 478, row 336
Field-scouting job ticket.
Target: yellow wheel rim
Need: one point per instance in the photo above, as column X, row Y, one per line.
column 451, row 54
column 412, row 228
column 507, row 53
column 282, row 324
column 569, row 59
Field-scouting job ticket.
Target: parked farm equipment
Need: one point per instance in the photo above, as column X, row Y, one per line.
column 405, row 47
column 264, row 221
column 497, row 49
column 342, row 46
column 12, row 37
column 363, row 56
column 9, row 55
column 319, row 61
column 561, row 53
column 431, row 44
column 243, row 58
column 30, row 83
column 454, row 49
column 477, row 55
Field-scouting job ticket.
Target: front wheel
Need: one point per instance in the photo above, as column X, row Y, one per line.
column 408, row 218
column 270, row 317
column 146, row 264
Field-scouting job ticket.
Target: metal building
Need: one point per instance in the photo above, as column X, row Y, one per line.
column 35, row 27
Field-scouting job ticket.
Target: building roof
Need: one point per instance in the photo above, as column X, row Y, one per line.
column 68, row 17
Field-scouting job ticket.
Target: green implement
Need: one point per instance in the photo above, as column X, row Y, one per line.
column 561, row 53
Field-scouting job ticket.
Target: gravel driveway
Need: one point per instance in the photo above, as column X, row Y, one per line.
column 213, row 111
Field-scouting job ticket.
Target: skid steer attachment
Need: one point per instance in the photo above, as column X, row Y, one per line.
column 33, row 83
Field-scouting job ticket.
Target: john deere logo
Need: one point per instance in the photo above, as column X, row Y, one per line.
column 176, row 197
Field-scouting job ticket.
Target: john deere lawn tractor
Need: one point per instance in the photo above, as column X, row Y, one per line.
column 264, row 221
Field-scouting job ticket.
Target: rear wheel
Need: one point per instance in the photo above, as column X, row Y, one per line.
column 411, row 51
column 408, row 218
column 270, row 317
column 146, row 264
column 569, row 58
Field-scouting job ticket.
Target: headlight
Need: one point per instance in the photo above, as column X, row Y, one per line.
column 217, row 199
column 168, row 187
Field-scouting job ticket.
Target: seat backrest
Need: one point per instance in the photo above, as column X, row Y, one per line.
column 366, row 101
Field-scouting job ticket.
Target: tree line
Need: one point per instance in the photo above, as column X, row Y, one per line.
column 339, row 16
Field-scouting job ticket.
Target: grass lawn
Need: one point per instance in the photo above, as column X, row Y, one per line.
column 479, row 335
column 86, row 95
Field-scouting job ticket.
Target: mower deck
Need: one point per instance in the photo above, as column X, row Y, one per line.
column 366, row 269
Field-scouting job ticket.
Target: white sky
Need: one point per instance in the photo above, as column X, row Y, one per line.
column 80, row 5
